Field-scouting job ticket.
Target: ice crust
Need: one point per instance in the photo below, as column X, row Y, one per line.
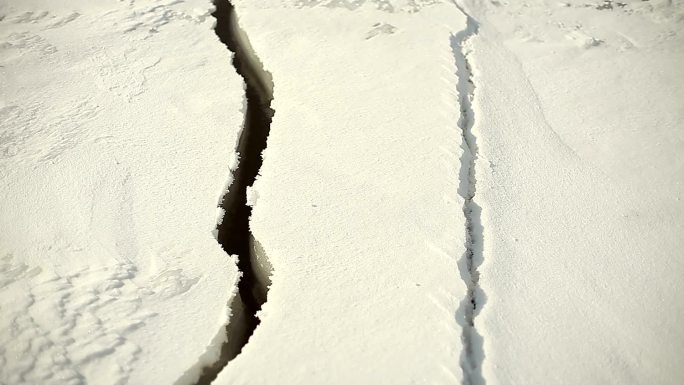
column 578, row 116
column 118, row 130
column 118, row 122
column 357, row 211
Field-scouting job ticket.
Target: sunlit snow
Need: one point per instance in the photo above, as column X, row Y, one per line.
column 341, row 192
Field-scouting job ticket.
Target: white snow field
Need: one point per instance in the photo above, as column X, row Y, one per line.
column 579, row 119
column 118, row 121
column 356, row 206
column 452, row 192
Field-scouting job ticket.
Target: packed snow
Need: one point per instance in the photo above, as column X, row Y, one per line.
column 452, row 192
column 118, row 124
column 356, row 208
column 579, row 125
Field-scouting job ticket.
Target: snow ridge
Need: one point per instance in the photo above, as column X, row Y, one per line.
column 233, row 232
column 473, row 354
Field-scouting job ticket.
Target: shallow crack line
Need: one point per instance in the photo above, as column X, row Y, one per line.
column 233, row 233
column 473, row 354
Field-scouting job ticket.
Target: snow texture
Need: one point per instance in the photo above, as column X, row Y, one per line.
column 452, row 192
column 118, row 123
column 578, row 116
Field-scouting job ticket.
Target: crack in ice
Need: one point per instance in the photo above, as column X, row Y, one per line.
column 233, row 233
column 472, row 355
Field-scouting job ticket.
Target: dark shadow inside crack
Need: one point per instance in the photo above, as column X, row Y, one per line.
column 233, row 233
column 472, row 355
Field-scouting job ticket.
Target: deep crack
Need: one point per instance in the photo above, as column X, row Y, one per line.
column 473, row 353
column 233, row 233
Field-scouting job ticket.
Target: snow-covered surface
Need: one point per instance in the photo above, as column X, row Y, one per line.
column 118, row 123
column 356, row 206
column 579, row 123
column 118, row 128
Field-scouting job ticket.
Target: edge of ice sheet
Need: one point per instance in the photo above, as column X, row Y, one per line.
column 577, row 293
column 111, row 272
column 335, row 269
